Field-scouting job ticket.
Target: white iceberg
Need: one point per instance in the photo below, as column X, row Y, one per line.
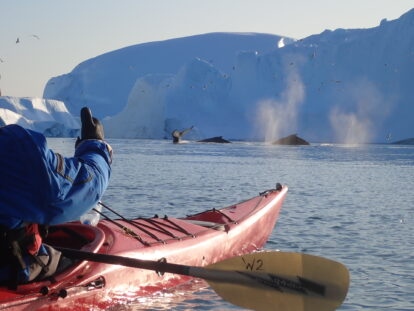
column 46, row 116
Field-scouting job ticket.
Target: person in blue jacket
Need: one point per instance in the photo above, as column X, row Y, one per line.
column 39, row 187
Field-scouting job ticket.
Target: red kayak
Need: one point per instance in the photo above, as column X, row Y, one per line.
column 196, row 240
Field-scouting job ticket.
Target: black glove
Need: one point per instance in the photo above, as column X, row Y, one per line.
column 91, row 127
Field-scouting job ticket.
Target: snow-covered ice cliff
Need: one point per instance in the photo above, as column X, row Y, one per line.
column 49, row 117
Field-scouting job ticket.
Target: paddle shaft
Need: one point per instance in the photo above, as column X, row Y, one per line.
column 125, row 261
column 158, row 266
column 229, row 276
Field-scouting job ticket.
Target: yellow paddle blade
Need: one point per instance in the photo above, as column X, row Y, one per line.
column 283, row 282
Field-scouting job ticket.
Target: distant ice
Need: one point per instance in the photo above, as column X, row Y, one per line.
column 49, row 117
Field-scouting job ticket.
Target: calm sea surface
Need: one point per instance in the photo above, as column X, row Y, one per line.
column 352, row 204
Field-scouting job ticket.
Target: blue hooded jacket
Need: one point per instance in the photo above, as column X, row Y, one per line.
column 40, row 186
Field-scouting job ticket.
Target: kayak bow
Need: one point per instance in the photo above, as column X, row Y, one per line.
column 197, row 240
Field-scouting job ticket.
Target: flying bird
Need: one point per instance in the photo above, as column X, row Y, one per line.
column 17, row 40
column 35, row 36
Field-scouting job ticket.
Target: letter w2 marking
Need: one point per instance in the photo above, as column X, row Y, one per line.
column 255, row 265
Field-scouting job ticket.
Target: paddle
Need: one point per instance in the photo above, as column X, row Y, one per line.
column 260, row 281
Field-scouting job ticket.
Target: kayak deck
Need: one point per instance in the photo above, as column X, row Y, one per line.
column 199, row 240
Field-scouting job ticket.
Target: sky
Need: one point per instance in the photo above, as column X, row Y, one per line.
column 45, row 38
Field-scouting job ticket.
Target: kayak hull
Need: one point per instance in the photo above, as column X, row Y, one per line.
column 196, row 240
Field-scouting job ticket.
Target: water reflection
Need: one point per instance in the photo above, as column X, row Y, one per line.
column 193, row 295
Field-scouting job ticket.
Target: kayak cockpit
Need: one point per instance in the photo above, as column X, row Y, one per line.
column 77, row 236
column 70, row 235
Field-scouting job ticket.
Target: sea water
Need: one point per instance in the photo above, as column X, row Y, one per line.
column 350, row 203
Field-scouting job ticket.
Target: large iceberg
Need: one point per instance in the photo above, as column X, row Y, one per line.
column 49, row 117
column 104, row 82
column 349, row 86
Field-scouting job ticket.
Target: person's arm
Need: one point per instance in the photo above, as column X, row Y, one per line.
column 79, row 182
